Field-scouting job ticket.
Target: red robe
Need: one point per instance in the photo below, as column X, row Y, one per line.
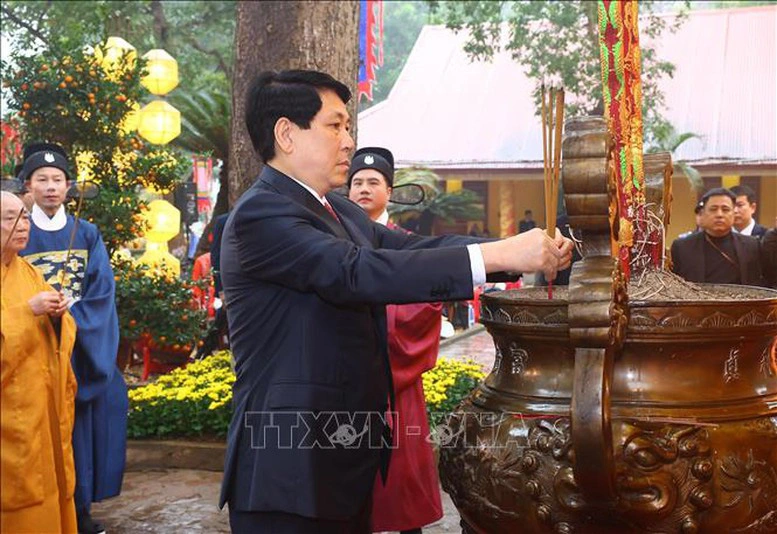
column 411, row 497
column 201, row 269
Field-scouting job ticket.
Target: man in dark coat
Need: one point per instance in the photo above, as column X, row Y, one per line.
column 744, row 210
column 306, row 278
column 769, row 251
column 717, row 255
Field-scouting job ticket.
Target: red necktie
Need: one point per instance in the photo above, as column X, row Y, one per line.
column 331, row 211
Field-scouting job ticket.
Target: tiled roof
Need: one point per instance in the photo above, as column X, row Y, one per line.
column 448, row 112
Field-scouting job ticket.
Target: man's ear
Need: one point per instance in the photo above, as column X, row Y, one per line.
column 283, row 135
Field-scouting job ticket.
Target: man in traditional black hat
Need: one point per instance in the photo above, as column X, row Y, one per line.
column 410, row 497
column 71, row 256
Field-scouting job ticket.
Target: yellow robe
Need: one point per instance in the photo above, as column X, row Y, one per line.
column 37, row 408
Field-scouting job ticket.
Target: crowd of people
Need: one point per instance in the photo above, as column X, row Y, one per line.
column 728, row 246
column 64, row 401
column 334, row 313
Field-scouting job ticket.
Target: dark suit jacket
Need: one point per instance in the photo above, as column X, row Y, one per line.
column 769, row 252
column 306, row 305
column 688, row 258
column 215, row 250
column 758, row 231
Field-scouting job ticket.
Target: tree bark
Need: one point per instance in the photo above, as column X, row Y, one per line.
column 279, row 35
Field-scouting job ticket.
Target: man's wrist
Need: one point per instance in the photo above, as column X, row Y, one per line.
column 476, row 264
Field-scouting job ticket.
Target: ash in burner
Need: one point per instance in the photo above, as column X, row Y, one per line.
column 654, row 285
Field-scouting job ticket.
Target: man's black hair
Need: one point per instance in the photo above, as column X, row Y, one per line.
column 528, row 212
column 718, row 192
column 293, row 94
column 743, row 190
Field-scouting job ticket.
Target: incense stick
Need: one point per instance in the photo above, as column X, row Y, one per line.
column 551, row 157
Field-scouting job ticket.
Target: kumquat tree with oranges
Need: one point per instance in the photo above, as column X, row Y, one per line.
column 88, row 106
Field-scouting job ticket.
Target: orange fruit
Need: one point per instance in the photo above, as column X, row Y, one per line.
column 62, row 85
column 133, row 322
column 119, row 227
column 68, row 79
column 26, row 105
column 162, row 339
column 44, row 67
column 25, row 87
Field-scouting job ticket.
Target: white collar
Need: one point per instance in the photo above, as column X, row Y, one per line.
column 49, row 224
column 747, row 230
column 311, row 191
column 383, row 218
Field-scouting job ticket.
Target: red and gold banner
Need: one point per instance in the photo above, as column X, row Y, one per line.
column 622, row 88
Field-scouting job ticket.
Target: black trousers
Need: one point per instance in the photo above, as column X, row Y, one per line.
column 285, row 523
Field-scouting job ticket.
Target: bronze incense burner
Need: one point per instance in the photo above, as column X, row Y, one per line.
column 605, row 414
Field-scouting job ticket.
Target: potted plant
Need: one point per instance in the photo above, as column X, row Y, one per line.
column 157, row 311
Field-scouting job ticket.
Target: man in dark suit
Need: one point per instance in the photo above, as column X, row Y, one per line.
column 527, row 223
column 306, row 277
column 744, row 209
column 717, row 255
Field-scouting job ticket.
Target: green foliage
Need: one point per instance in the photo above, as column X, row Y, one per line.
column 557, row 42
column 157, row 306
column 667, row 139
column 191, row 401
column 68, row 98
column 204, row 122
column 198, row 34
column 463, row 205
column 402, row 22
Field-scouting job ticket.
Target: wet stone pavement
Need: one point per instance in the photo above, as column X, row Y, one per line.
column 186, row 500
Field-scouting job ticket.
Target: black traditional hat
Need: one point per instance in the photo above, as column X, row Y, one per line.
column 380, row 159
column 37, row 155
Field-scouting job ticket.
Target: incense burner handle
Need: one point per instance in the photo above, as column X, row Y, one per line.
column 598, row 312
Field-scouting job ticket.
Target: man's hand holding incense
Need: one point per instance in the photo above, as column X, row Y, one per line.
column 528, row 252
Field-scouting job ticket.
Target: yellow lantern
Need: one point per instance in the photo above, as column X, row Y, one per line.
column 164, row 221
column 162, row 72
column 159, row 122
column 110, row 55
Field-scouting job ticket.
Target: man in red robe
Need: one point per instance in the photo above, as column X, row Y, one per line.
column 410, row 497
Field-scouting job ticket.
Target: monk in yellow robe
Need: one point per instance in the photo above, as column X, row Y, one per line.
column 37, row 394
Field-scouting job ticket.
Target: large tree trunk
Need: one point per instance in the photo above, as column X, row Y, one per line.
column 319, row 35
